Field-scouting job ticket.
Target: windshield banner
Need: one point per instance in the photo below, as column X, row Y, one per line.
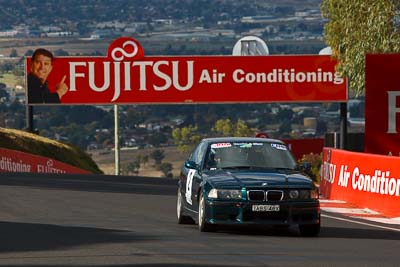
column 126, row 76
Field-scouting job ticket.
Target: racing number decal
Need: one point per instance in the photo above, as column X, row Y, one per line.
column 189, row 183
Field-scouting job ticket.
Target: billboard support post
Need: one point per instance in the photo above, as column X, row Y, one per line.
column 343, row 125
column 29, row 118
column 116, row 140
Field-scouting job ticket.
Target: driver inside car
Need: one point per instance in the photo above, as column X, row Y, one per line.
column 213, row 161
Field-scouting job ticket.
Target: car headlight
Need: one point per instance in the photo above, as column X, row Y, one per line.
column 225, row 194
column 303, row 194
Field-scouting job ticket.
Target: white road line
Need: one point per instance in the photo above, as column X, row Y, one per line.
column 362, row 223
column 350, row 211
column 386, row 220
column 332, row 201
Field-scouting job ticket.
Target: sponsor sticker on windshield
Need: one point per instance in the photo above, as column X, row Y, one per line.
column 279, row 146
column 247, row 145
column 221, row 145
column 244, row 145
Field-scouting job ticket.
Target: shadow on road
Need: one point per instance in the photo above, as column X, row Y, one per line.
column 17, row 237
column 146, row 265
column 326, row 232
column 260, row 231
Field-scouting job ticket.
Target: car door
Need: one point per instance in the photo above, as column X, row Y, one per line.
column 193, row 177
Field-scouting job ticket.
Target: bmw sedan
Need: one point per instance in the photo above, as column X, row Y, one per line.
column 246, row 181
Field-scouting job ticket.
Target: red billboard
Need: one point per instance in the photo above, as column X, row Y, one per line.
column 382, row 104
column 126, row 76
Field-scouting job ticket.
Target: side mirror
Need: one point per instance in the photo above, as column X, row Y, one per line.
column 191, row 165
column 305, row 167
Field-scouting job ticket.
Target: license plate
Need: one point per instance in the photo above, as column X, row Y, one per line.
column 265, row 208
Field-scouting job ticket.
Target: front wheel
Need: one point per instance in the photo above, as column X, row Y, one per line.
column 310, row 230
column 182, row 219
column 203, row 225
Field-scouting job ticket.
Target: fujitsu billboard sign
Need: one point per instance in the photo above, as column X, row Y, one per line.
column 126, row 76
column 382, row 104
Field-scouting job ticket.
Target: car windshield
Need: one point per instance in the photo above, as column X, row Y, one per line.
column 248, row 155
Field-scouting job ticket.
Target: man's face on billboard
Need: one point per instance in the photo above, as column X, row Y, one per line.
column 41, row 67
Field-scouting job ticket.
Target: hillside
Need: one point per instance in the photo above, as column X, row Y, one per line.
column 38, row 145
column 98, row 162
column 105, row 160
column 84, row 13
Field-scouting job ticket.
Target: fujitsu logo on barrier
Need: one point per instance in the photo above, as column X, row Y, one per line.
column 329, row 172
column 48, row 168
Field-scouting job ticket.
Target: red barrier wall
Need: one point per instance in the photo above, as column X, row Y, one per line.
column 16, row 161
column 368, row 180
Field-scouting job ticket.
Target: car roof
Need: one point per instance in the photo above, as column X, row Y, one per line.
column 241, row 139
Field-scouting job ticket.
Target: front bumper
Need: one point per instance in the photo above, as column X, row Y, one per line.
column 240, row 213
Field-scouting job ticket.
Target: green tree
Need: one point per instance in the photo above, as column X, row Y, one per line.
column 285, row 127
column 132, row 167
column 225, row 127
column 241, row 129
column 14, row 53
column 166, row 169
column 357, row 27
column 157, row 155
column 315, row 160
column 322, row 127
column 29, row 53
column 157, row 139
column 60, row 52
column 133, row 117
column 285, row 114
column 19, row 72
column 186, row 137
column 143, row 159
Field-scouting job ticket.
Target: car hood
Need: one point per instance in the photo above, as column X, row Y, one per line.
column 275, row 179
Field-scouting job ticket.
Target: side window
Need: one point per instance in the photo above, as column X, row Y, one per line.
column 198, row 153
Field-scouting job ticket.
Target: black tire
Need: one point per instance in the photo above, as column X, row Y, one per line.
column 310, row 230
column 182, row 219
column 203, row 225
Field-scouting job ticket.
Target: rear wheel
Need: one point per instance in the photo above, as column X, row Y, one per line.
column 203, row 225
column 310, row 230
column 182, row 219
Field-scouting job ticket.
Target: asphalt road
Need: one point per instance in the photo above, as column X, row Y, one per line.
column 131, row 221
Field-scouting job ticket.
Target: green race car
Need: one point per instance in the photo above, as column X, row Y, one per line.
column 246, row 181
